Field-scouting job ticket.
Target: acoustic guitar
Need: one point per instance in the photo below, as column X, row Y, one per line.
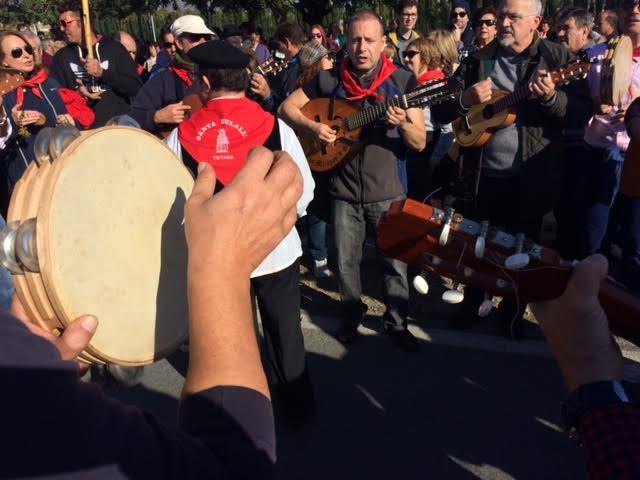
column 476, row 127
column 10, row 79
column 196, row 101
column 445, row 243
column 348, row 120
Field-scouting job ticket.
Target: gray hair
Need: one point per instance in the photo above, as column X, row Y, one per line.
column 28, row 34
column 580, row 15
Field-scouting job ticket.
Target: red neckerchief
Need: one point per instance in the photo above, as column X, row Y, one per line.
column 182, row 74
column 430, row 76
column 140, row 70
column 223, row 133
column 351, row 85
column 33, row 83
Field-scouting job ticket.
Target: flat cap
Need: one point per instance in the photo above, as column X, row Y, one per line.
column 218, row 54
column 310, row 53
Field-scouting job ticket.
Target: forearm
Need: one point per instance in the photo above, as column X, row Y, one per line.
column 223, row 347
column 414, row 136
column 294, row 117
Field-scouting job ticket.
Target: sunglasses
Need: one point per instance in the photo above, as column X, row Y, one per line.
column 316, row 35
column 459, row 14
column 409, row 54
column 488, row 23
column 169, row 45
column 17, row 52
column 65, row 23
column 630, row 4
column 195, row 37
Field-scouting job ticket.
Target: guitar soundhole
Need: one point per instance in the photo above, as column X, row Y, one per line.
column 488, row 112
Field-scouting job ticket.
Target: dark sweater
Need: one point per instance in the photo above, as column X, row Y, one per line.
column 55, row 426
column 120, row 78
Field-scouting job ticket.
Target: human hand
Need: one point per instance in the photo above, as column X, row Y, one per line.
column 84, row 91
column 25, row 117
column 396, row 116
column 65, row 119
column 259, row 86
column 93, row 67
column 74, row 338
column 231, row 233
column 542, row 86
column 324, row 132
column 577, row 328
column 478, row 93
column 174, row 113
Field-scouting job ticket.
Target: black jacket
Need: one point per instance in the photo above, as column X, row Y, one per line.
column 540, row 126
column 120, row 78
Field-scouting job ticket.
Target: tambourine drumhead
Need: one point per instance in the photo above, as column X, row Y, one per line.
column 615, row 75
column 111, row 242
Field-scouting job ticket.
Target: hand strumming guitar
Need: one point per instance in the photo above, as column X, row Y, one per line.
column 478, row 93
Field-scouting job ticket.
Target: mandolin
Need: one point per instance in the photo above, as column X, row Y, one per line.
column 348, row 120
column 10, row 79
column 476, row 127
column 445, row 243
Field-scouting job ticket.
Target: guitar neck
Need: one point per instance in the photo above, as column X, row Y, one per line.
column 374, row 113
column 508, row 101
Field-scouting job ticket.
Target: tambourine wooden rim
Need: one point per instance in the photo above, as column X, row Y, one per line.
column 159, row 328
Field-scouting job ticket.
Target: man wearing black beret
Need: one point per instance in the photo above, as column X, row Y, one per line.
column 222, row 134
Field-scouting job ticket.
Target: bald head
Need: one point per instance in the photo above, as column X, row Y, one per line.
column 127, row 42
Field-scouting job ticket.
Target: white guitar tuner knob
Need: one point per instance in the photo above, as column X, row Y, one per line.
column 485, row 308
column 468, row 272
column 446, row 227
column 518, row 260
column 481, row 240
column 452, row 297
column 420, row 284
column 436, row 260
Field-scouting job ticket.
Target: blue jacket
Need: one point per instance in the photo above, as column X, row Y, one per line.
column 19, row 151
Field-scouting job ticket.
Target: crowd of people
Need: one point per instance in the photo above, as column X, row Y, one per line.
column 216, row 95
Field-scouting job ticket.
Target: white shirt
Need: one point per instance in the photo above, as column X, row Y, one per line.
column 290, row 248
column 3, row 140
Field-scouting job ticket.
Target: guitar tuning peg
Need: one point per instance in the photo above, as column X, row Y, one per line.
column 446, row 227
column 486, row 306
column 420, row 284
column 518, row 260
column 481, row 240
column 453, row 296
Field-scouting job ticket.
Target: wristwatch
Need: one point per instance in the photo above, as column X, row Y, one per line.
column 588, row 398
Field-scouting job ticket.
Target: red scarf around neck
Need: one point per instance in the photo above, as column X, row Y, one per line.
column 353, row 88
column 34, row 84
column 223, row 133
column 182, row 74
column 430, row 75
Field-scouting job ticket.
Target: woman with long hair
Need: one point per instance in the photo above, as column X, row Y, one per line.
column 317, row 34
column 29, row 108
column 446, row 44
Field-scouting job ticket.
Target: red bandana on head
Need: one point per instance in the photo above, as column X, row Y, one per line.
column 182, row 74
column 223, row 132
column 351, row 85
column 430, row 76
column 33, row 83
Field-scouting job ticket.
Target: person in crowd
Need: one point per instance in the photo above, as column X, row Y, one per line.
column 315, row 58
column 337, row 37
column 221, row 134
column 484, row 27
column 29, row 108
column 573, row 29
column 232, row 35
column 513, row 180
column 253, row 38
column 428, row 63
column 289, row 39
column 607, row 24
column 152, row 50
column 362, row 189
column 128, row 42
column 461, row 26
column 406, row 12
column 546, row 27
column 108, row 81
column 166, row 53
column 317, row 34
column 158, row 106
column 629, row 201
column 226, row 425
column 445, row 41
column 36, row 45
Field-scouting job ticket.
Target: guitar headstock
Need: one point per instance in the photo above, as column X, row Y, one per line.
column 579, row 68
column 475, row 254
column 10, row 80
column 432, row 93
column 273, row 66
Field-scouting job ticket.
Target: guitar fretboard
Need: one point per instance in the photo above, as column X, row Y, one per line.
column 374, row 113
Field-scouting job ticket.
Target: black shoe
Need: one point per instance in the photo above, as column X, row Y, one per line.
column 296, row 400
column 348, row 331
column 403, row 338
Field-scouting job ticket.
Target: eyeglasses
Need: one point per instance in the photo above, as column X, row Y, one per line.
column 512, row 17
column 17, row 52
column 459, row 14
column 169, row 45
column 409, row 54
column 65, row 23
column 563, row 28
column 409, row 15
column 316, row 35
column 488, row 23
column 630, row 4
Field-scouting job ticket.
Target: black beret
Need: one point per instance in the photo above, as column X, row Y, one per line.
column 218, row 54
column 231, row 31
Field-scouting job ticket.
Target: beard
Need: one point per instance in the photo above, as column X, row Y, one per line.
column 506, row 41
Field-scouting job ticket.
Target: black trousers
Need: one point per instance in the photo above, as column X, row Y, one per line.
column 278, row 297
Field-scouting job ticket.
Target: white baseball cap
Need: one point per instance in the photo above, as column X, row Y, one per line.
column 190, row 24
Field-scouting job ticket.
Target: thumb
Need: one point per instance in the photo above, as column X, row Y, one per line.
column 587, row 276
column 16, row 107
column 76, row 336
column 205, row 183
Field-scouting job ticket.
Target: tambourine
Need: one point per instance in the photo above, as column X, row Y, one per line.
column 615, row 73
column 95, row 226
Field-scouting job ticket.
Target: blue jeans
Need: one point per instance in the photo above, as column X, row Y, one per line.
column 6, row 284
column 350, row 224
column 317, row 237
